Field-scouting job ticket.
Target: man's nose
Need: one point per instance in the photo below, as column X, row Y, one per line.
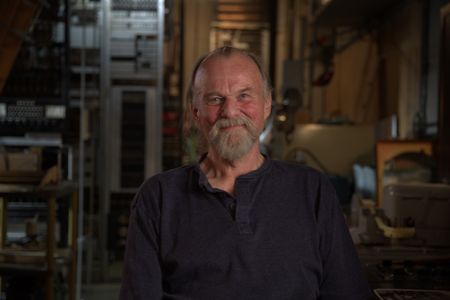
column 230, row 108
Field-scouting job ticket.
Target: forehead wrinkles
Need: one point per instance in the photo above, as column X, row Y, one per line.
column 234, row 70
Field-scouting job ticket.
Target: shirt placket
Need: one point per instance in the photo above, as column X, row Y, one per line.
column 228, row 202
column 243, row 203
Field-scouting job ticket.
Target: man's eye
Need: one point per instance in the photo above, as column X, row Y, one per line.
column 215, row 100
column 244, row 96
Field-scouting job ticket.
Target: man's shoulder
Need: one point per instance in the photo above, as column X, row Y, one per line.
column 296, row 169
column 166, row 183
column 170, row 176
column 176, row 172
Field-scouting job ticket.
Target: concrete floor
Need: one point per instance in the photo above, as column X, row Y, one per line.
column 108, row 290
column 103, row 291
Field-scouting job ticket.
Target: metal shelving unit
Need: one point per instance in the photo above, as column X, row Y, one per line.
column 34, row 68
column 131, row 106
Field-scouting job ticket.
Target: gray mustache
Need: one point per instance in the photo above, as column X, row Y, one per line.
column 222, row 123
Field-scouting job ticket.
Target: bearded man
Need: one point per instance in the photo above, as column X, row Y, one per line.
column 238, row 225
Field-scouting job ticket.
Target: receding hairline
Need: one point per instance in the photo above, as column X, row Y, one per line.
column 228, row 52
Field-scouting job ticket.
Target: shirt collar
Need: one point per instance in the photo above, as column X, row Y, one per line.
column 203, row 181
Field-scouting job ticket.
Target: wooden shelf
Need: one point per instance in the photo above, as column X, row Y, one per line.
column 12, row 256
column 14, row 268
column 50, row 258
column 351, row 12
column 21, row 176
column 61, row 190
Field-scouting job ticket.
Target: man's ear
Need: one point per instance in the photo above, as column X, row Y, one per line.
column 194, row 111
column 267, row 107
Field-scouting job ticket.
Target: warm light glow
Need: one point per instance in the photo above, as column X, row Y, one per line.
column 282, row 118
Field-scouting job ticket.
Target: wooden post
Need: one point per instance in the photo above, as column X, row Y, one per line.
column 3, row 215
column 51, row 244
column 72, row 243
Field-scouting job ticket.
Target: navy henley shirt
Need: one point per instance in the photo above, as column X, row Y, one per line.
column 281, row 236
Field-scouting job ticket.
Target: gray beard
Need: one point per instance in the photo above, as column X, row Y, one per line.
column 233, row 144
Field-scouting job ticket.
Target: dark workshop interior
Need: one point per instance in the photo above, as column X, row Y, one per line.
column 92, row 102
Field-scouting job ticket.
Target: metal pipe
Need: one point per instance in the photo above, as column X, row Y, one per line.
column 421, row 116
column 105, row 90
column 160, row 85
column 80, row 230
column 66, row 67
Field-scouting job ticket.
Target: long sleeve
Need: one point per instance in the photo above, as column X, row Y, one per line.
column 142, row 270
column 343, row 277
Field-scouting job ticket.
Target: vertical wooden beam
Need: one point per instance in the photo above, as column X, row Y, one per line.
column 281, row 51
column 407, row 30
column 72, row 243
column 3, row 216
column 51, row 244
column 198, row 15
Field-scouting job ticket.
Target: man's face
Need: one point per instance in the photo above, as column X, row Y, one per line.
column 230, row 104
